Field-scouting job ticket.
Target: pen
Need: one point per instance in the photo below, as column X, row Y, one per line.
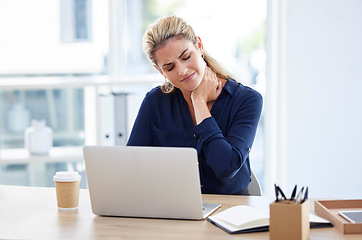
column 276, row 193
column 300, row 196
column 281, row 192
column 305, row 195
column 293, row 193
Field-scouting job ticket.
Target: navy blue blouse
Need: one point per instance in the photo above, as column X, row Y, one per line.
column 223, row 141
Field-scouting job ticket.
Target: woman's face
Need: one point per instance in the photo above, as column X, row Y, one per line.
column 181, row 62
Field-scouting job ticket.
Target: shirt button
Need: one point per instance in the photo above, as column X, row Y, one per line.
column 201, row 186
column 249, row 149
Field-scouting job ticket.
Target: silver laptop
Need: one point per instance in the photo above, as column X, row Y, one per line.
column 151, row 182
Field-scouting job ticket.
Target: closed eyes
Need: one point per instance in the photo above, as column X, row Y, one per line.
column 185, row 59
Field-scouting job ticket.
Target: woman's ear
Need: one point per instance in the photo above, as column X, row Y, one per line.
column 200, row 46
column 158, row 69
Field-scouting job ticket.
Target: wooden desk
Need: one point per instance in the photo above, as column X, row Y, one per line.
column 31, row 213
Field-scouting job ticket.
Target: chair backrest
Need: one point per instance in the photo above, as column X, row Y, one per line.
column 254, row 186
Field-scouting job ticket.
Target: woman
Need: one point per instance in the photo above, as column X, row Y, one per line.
column 200, row 106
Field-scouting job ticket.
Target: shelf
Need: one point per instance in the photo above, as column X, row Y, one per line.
column 56, row 154
column 27, row 83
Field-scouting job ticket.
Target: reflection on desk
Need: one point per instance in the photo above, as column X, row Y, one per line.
column 31, row 213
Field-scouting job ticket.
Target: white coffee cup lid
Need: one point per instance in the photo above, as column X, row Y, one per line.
column 66, row 176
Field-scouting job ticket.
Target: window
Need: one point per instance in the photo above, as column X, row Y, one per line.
column 53, row 42
column 62, row 41
column 76, row 21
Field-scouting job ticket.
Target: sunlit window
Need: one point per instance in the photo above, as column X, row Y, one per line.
column 66, row 40
column 76, row 20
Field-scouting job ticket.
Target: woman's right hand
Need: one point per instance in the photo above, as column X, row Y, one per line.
column 209, row 88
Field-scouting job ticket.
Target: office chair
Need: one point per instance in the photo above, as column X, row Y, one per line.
column 254, row 186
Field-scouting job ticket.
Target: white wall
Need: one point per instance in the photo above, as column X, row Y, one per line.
column 321, row 68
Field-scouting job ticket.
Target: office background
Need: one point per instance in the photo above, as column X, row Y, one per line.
column 303, row 56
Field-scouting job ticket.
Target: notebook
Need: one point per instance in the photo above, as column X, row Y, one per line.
column 150, row 182
column 245, row 219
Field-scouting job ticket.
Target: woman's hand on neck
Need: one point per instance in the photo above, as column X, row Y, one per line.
column 201, row 99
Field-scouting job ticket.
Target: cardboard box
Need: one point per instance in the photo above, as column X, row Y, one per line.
column 329, row 209
column 289, row 220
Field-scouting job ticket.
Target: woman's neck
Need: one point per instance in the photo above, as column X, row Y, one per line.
column 187, row 97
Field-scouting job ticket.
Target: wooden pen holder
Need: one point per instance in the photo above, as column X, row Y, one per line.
column 289, row 220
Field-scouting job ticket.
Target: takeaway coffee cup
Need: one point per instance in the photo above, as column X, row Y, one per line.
column 67, row 188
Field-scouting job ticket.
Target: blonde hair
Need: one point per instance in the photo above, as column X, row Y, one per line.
column 168, row 27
